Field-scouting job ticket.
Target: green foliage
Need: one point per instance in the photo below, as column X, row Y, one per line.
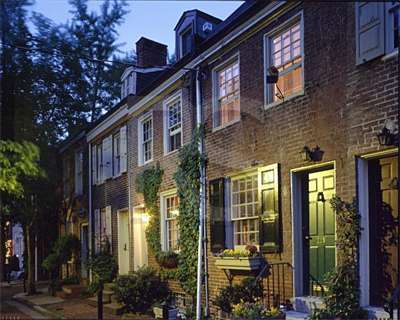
column 188, row 181
column 17, row 160
column 65, row 248
column 103, row 266
column 343, row 297
column 56, row 284
column 148, row 184
column 169, row 274
column 168, row 259
column 139, row 290
column 232, row 294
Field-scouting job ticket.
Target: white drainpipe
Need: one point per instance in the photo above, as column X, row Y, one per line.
column 202, row 203
column 90, row 203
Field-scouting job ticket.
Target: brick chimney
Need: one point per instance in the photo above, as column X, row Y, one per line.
column 150, row 53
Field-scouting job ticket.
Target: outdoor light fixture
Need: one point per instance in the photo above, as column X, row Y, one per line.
column 386, row 138
column 274, row 75
column 145, row 217
column 312, row 155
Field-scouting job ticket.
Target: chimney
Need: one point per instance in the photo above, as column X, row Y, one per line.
column 150, row 53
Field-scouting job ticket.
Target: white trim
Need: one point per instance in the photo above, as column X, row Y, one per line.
column 379, row 154
column 175, row 97
column 140, row 70
column 286, row 99
column 299, row 17
column 107, row 123
column 163, row 196
column 120, row 227
column 116, row 145
column 141, row 161
column 140, row 252
column 214, row 83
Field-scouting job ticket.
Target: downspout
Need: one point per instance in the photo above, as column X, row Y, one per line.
column 90, row 203
column 202, row 202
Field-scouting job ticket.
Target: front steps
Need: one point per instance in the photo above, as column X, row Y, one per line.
column 307, row 304
column 109, row 304
column 70, row 291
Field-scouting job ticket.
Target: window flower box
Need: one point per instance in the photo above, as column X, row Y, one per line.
column 238, row 263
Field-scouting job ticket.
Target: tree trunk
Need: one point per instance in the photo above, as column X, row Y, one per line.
column 2, row 250
column 30, row 241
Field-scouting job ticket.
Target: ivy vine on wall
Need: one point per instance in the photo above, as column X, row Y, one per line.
column 188, row 182
column 148, row 183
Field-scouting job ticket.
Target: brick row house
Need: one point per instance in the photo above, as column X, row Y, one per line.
column 275, row 76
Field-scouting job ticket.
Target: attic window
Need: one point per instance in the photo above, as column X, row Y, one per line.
column 186, row 41
column 127, row 86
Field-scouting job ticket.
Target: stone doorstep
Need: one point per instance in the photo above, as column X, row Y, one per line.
column 107, row 286
column 107, row 294
column 379, row 313
column 74, row 289
column 295, row 315
column 307, row 304
column 93, row 301
column 114, row 309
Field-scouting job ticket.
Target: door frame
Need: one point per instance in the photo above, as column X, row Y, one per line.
column 119, row 212
column 297, row 217
column 140, row 254
column 363, row 206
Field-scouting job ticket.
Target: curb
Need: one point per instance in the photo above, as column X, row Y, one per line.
column 47, row 312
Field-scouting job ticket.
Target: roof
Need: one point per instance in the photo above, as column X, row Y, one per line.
column 199, row 12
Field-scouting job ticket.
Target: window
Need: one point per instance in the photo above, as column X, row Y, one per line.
column 284, row 51
column 78, row 172
column 100, row 173
column 227, row 92
column 170, row 213
column 66, row 173
column 117, row 155
column 244, row 210
column 127, row 86
column 173, row 124
column 179, row 301
column 102, row 224
column 377, row 29
column 145, row 139
column 186, row 41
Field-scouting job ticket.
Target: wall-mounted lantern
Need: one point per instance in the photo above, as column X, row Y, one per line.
column 311, row 155
column 386, row 138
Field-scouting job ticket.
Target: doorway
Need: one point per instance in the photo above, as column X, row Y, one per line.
column 314, row 228
column 123, row 242
column 84, row 249
column 139, row 237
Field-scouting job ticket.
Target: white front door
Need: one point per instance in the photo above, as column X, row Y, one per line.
column 123, row 242
column 139, row 237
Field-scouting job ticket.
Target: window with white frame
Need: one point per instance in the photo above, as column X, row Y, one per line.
column 100, row 173
column 170, row 214
column 66, row 177
column 284, row 51
column 227, row 107
column 377, row 29
column 244, row 209
column 79, row 172
column 102, row 224
column 117, row 155
column 146, row 139
column 127, row 86
column 173, row 124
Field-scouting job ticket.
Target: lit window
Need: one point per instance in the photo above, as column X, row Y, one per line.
column 227, row 109
column 244, row 209
column 173, row 131
column 146, row 140
column 171, row 207
column 286, row 55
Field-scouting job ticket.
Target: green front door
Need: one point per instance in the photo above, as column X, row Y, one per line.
column 321, row 233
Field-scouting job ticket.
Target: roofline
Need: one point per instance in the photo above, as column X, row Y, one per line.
column 215, row 19
column 72, row 141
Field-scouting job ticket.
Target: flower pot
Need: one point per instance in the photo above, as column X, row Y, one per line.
column 241, row 263
column 172, row 313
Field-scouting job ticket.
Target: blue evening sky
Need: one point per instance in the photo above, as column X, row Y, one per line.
column 155, row 20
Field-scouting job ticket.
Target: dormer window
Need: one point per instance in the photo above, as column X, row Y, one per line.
column 186, row 41
column 127, row 85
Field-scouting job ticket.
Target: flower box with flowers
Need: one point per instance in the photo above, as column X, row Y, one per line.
column 253, row 310
column 247, row 259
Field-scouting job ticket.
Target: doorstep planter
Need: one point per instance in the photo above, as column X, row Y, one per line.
column 172, row 313
column 240, row 263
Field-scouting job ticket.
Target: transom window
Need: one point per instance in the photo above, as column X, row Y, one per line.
column 147, row 140
column 228, row 95
column 244, row 209
column 171, row 220
column 174, row 110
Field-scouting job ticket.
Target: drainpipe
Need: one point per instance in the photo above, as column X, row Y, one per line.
column 202, row 225
column 90, row 203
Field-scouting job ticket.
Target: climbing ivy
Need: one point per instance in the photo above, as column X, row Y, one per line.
column 188, row 182
column 343, row 297
column 148, row 182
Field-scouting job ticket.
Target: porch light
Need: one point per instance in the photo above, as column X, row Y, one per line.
column 385, row 138
column 312, row 155
column 274, row 75
column 145, row 217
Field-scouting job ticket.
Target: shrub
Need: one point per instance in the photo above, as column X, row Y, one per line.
column 233, row 294
column 139, row 290
column 56, row 284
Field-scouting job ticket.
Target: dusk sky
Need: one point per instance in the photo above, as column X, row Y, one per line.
column 155, row 20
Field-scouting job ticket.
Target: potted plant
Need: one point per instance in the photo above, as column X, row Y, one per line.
column 253, row 310
column 247, row 259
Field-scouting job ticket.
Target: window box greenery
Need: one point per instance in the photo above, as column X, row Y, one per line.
column 241, row 263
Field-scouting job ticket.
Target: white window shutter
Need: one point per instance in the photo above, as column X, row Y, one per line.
column 122, row 149
column 94, row 165
column 370, row 30
column 97, row 229
column 109, row 225
column 105, row 160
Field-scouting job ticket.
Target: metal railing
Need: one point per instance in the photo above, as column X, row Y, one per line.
column 316, row 288
column 389, row 306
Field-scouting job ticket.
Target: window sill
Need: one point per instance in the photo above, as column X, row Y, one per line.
column 144, row 163
column 390, row 55
column 100, row 183
column 225, row 125
column 288, row 98
column 172, row 152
